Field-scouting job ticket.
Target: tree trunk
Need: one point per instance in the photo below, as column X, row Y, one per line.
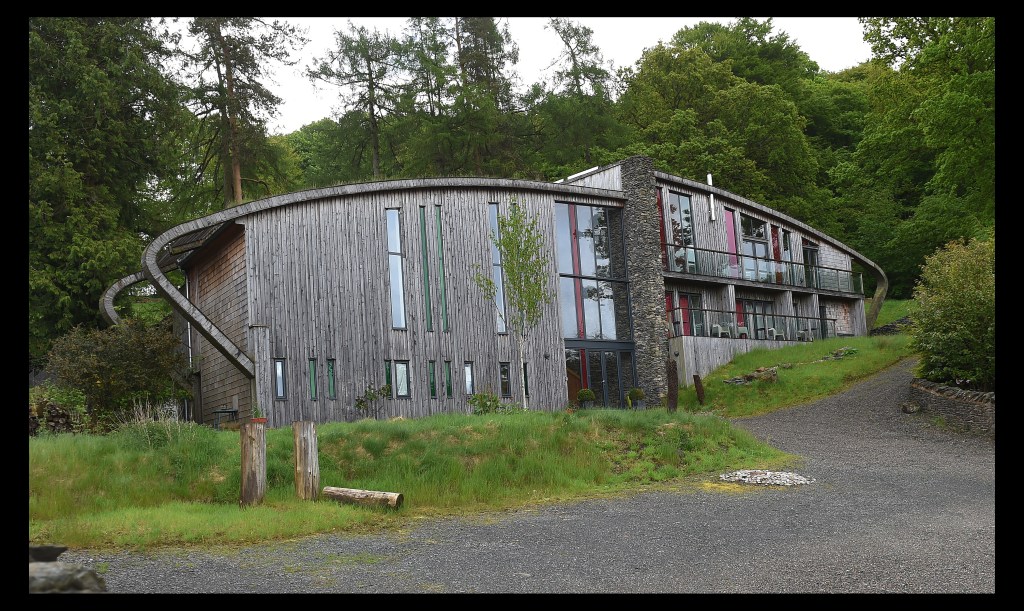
column 363, row 497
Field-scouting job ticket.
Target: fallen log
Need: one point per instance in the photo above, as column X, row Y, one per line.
column 363, row 497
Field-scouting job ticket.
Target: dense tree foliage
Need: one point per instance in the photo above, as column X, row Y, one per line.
column 895, row 157
column 98, row 110
column 121, row 365
column 954, row 323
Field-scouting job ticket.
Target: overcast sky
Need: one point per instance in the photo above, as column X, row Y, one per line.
column 835, row 43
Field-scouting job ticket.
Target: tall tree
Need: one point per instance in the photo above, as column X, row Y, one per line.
column 99, row 106
column 577, row 117
column 230, row 65
column 367, row 65
column 524, row 263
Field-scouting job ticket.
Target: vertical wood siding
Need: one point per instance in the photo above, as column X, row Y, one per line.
column 218, row 287
column 318, row 277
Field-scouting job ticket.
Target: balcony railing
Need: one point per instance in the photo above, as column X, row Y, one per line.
column 720, row 264
column 730, row 324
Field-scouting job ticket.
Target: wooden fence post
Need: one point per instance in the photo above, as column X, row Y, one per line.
column 699, row 387
column 307, row 462
column 254, row 461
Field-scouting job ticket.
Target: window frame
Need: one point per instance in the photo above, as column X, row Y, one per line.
column 280, row 379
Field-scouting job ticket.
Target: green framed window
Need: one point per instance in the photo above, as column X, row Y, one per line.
column 332, row 392
column 312, row 379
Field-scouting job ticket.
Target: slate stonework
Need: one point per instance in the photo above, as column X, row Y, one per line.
column 969, row 411
column 646, row 283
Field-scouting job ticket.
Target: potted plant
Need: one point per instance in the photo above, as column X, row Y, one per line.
column 257, row 414
column 585, row 396
column 636, row 397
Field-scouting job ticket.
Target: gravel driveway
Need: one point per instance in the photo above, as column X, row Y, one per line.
column 896, row 506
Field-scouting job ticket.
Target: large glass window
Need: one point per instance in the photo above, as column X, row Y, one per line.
column 811, row 264
column 679, row 232
column 395, row 269
column 684, row 312
column 592, row 289
column 756, row 316
column 496, row 272
column 756, row 260
column 609, row 373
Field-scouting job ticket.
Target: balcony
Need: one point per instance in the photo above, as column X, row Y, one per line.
column 732, row 325
column 733, row 266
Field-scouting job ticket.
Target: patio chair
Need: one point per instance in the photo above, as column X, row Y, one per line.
column 773, row 334
column 720, row 331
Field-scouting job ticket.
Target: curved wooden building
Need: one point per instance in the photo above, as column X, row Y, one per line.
column 301, row 303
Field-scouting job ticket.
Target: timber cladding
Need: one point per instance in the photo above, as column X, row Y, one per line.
column 217, row 285
column 318, row 278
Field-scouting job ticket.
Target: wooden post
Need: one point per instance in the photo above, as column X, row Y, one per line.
column 700, row 388
column 307, row 462
column 672, row 378
column 363, row 497
column 254, row 462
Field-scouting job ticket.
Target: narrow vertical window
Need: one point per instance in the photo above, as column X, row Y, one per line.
column 505, row 379
column 448, row 378
column 387, row 377
column 426, row 268
column 526, row 382
column 403, row 384
column 312, row 379
column 440, row 263
column 469, row 377
column 332, row 392
column 279, row 379
column 395, row 269
column 432, row 379
column 496, row 275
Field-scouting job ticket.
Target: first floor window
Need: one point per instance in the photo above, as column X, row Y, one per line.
column 279, row 379
column 505, row 379
column 447, row 378
column 526, row 382
column 431, row 378
column 402, row 380
column 387, row 378
column 469, row 377
column 312, row 379
column 332, row 392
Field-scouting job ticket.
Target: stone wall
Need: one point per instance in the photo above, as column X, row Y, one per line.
column 646, row 281
column 966, row 410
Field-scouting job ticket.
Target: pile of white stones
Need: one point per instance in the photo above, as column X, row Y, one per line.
column 765, row 478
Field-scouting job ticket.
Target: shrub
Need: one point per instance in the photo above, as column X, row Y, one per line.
column 116, row 367
column 486, row 403
column 585, row 394
column 953, row 327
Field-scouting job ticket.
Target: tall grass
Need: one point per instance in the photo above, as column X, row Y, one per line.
column 806, row 371
column 173, row 483
column 135, row 488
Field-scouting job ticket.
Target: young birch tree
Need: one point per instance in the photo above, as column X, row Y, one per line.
column 524, row 278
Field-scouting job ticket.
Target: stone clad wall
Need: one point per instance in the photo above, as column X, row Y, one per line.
column 646, row 282
column 967, row 410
